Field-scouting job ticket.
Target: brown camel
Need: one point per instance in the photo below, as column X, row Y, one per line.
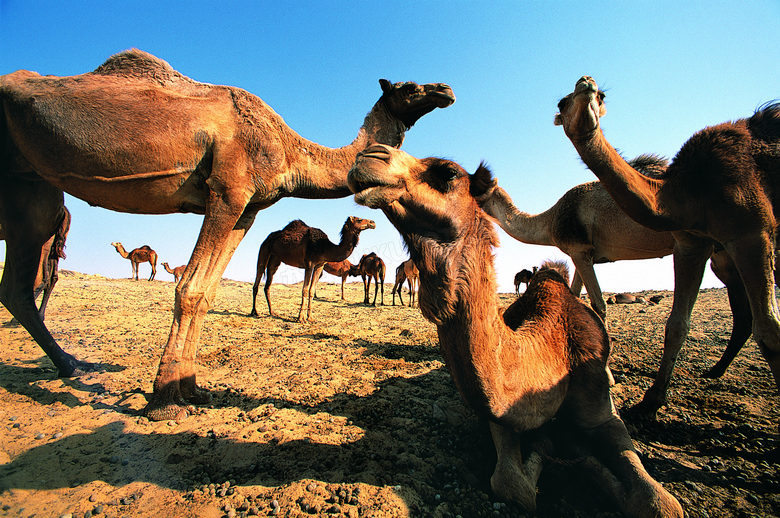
column 176, row 272
column 538, row 367
column 305, row 247
column 406, row 272
column 137, row 136
column 143, row 254
column 587, row 225
column 341, row 269
column 48, row 266
column 523, row 276
column 721, row 188
column 372, row 266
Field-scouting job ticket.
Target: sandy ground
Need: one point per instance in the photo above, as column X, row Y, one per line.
column 353, row 415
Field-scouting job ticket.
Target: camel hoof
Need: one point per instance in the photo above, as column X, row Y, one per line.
column 167, row 412
column 75, row 368
column 199, row 397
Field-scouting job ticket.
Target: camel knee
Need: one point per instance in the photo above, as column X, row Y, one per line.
column 510, row 482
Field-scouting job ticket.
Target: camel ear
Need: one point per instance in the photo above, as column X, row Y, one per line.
column 386, row 85
column 482, row 183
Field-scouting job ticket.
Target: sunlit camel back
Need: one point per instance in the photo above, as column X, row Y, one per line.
column 48, row 266
column 142, row 254
column 176, row 272
column 371, row 266
column 721, row 188
column 544, row 357
column 305, row 247
column 406, row 272
column 137, row 136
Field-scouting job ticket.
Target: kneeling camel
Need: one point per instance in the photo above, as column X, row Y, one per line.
column 544, row 357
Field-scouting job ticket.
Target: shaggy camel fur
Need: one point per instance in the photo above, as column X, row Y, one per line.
column 136, row 136
column 48, row 266
column 341, row 269
column 372, row 266
column 588, row 226
column 523, row 276
column 406, row 272
column 143, row 254
column 305, row 247
column 176, row 272
column 545, row 357
column 721, row 188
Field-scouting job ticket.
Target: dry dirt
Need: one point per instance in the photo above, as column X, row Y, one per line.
column 353, row 415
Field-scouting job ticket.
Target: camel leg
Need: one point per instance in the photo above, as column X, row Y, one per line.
column 514, row 478
column 30, row 213
column 754, row 258
column 224, row 225
column 383, row 292
column 742, row 319
column 576, row 283
column 343, row 280
column 154, row 270
column 263, row 255
column 270, row 270
column 690, row 257
column 584, row 268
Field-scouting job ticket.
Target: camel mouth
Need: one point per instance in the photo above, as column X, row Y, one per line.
column 585, row 84
column 446, row 98
column 377, row 152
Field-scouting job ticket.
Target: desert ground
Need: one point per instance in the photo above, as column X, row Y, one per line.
column 352, row 415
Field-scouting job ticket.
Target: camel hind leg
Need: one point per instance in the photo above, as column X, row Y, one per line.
column 30, row 213
column 263, row 256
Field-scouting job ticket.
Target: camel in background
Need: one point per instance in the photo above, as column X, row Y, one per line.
column 539, row 366
column 341, row 269
column 406, row 272
column 143, row 254
column 176, row 272
column 48, row 266
column 721, row 188
column 137, row 136
column 305, row 247
column 523, row 277
column 372, row 266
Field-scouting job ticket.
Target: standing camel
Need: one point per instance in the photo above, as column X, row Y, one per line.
column 137, row 136
column 176, row 272
column 588, row 226
column 305, row 247
column 48, row 266
column 341, row 269
column 722, row 187
column 372, row 266
column 524, row 276
column 143, row 254
column 406, row 272
column 539, row 365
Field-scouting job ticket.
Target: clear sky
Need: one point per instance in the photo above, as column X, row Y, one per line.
column 670, row 68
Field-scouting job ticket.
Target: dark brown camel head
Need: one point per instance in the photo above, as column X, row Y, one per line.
column 409, row 101
column 355, row 225
column 580, row 111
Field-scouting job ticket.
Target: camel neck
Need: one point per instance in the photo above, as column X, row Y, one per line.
column 527, row 228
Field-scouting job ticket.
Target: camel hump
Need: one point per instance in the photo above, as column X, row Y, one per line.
column 139, row 64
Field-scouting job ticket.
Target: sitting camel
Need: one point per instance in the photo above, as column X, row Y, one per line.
column 341, row 269
column 137, row 136
column 523, row 276
column 137, row 256
column 406, row 272
column 305, row 247
column 540, row 365
column 371, row 265
column 176, row 272
column 48, row 266
column 719, row 189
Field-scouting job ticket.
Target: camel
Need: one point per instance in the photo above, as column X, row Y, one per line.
column 588, row 226
column 523, row 276
column 137, row 136
column 143, row 254
column 341, row 269
column 372, row 266
column 721, row 188
column 302, row 246
column 406, row 272
column 48, row 266
column 538, row 367
column 176, row 272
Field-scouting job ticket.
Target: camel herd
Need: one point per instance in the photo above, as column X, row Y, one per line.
column 136, row 136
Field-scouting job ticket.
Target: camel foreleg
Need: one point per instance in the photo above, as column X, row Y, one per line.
column 584, row 269
column 515, row 477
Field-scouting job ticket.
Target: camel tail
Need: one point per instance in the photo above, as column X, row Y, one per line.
column 58, row 247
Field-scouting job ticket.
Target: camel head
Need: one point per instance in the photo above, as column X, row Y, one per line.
column 357, row 225
column 409, row 101
column 426, row 199
column 580, row 111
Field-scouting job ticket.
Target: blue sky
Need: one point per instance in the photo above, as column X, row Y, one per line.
column 670, row 68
